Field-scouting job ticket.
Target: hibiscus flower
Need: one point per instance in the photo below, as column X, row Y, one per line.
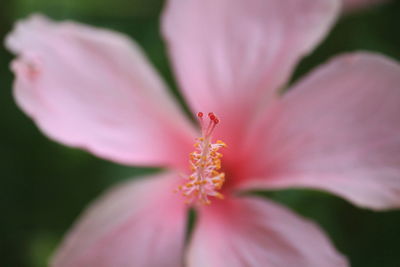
column 337, row 130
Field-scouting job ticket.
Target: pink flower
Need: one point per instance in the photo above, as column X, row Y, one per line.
column 336, row 130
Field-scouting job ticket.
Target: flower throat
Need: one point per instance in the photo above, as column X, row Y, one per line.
column 205, row 163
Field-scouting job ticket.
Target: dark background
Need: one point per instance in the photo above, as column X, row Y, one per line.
column 44, row 186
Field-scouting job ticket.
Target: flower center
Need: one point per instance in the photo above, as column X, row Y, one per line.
column 205, row 163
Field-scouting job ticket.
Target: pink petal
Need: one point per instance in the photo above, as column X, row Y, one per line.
column 231, row 57
column 337, row 130
column 251, row 232
column 139, row 223
column 353, row 5
column 92, row 88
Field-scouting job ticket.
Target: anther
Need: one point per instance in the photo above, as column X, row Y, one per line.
column 205, row 179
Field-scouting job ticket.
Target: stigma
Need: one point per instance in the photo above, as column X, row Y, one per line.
column 205, row 163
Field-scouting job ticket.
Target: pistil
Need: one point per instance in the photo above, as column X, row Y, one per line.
column 205, row 163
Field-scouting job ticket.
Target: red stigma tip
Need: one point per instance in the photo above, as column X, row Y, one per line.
column 211, row 116
column 209, row 128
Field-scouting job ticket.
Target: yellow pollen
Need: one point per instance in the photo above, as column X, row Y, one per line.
column 205, row 163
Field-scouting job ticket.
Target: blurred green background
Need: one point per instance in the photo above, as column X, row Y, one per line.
column 44, row 186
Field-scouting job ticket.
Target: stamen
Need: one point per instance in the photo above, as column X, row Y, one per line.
column 205, row 162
